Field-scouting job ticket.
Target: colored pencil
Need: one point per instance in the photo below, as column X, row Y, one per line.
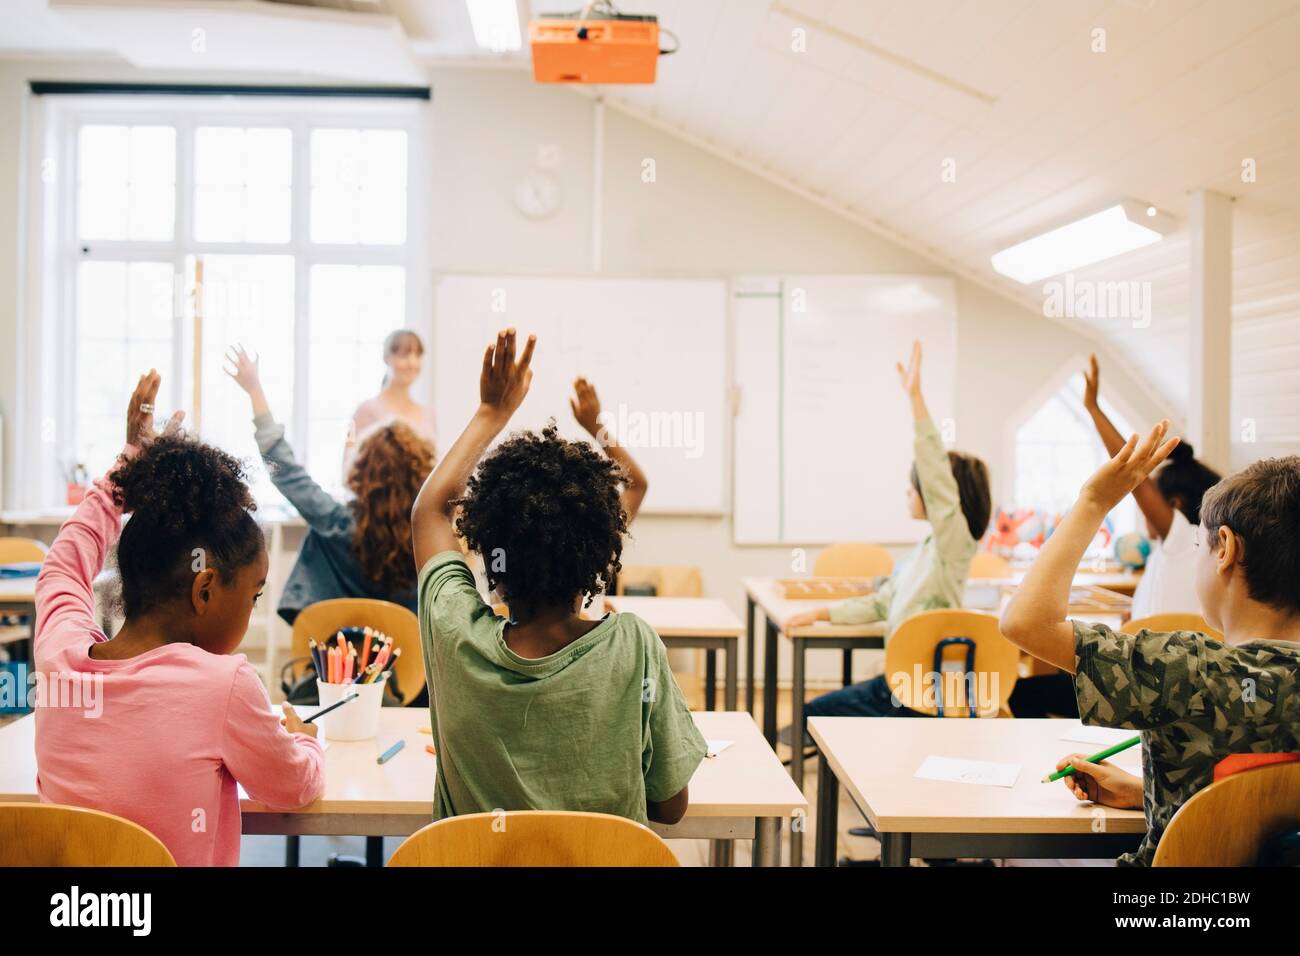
column 365, row 650
column 391, row 751
column 1108, row 752
column 334, row 706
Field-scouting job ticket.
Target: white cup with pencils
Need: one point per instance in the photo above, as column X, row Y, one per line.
column 353, row 678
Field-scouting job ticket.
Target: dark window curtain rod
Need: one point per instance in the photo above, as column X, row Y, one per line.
column 57, row 87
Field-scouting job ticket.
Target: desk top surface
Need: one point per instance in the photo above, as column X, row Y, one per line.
column 876, row 760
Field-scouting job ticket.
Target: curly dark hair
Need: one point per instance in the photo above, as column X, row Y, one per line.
column 181, row 495
column 386, row 474
column 546, row 516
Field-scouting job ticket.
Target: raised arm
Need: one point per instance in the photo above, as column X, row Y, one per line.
column 314, row 503
column 910, row 378
column 503, row 383
column 586, row 409
column 1158, row 512
column 1035, row 619
column 939, row 489
column 65, row 591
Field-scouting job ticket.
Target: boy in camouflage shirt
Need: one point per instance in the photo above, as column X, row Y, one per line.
column 1195, row 699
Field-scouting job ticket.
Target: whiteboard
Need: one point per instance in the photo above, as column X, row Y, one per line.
column 823, row 435
column 656, row 350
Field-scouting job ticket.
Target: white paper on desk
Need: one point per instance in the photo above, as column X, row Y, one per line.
column 956, row 770
column 715, row 747
column 1106, row 736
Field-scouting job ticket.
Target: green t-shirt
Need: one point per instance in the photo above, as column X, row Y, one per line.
column 600, row 725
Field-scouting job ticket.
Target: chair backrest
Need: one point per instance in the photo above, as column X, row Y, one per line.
column 323, row 619
column 669, row 580
column 853, row 560
column 986, row 564
column 1171, row 622
column 14, row 550
column 534, row 838
column 910, row 660
column 1230, row 821
column 48, row 834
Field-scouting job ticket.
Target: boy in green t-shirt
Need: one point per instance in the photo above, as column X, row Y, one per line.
column 545, row 711
column 1195, row 699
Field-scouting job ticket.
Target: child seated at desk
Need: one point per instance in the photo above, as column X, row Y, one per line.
column 951, row 491
column 181, row 717
column 360, row 548
column 1186, row 692
column 546, row 710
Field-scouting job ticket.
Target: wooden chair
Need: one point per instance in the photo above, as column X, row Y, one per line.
column 534, row 838
column 14, row 550
column 853, row 560
column 911, row 650
column 1228, row 822
column 323, row 620
column 47, row 834
column 1171, row 622
column 986, row 564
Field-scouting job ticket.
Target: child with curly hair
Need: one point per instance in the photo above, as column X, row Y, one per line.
column 361, row 548
column 181, row 717
column 546, row 710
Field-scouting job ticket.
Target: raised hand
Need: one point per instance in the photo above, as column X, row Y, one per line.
column 586, row 406
column 140, row 409
column 504, row 382
column 910, row 377
column 243, row 368
column 1129, row 468
column 1091, row 382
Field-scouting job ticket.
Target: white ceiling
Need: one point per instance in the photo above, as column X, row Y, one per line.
column 1040, row 128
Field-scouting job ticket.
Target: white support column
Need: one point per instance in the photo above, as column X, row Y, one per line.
column 1209, row 367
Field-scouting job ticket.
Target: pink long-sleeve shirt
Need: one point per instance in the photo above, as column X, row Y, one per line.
column 160, row 738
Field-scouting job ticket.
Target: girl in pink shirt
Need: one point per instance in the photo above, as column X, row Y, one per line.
column 159, row 723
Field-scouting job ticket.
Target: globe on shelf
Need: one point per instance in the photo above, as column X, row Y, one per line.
column 1132, row 550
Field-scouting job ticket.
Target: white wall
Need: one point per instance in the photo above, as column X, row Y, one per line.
column 702, row 216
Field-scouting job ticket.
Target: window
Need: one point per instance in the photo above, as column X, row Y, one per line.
column 189, row 225
column 1056, row 450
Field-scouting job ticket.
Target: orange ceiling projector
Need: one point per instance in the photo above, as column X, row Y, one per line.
column 596, row 45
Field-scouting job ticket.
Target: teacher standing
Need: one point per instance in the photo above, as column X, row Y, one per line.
column 404, row 356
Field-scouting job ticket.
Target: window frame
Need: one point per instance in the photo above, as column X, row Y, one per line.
column 50, row 320
column 1052, row 388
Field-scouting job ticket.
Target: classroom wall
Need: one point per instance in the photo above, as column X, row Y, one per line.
column 701, row 217
column 704, row 216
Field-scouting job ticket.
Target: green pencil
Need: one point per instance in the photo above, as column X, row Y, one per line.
column 1108, row 752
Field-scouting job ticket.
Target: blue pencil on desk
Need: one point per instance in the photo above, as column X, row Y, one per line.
column 387, row 754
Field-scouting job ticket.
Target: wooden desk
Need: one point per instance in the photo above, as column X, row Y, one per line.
column 1121, row 581
column 18, row 596
column 766, row 594
column 742, row 794
column 875, row 759
column 706, row 623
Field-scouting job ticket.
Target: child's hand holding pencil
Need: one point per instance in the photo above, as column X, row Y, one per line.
column 1101, row 782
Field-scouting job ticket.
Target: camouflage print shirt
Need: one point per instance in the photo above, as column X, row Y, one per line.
column 1195, row 699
